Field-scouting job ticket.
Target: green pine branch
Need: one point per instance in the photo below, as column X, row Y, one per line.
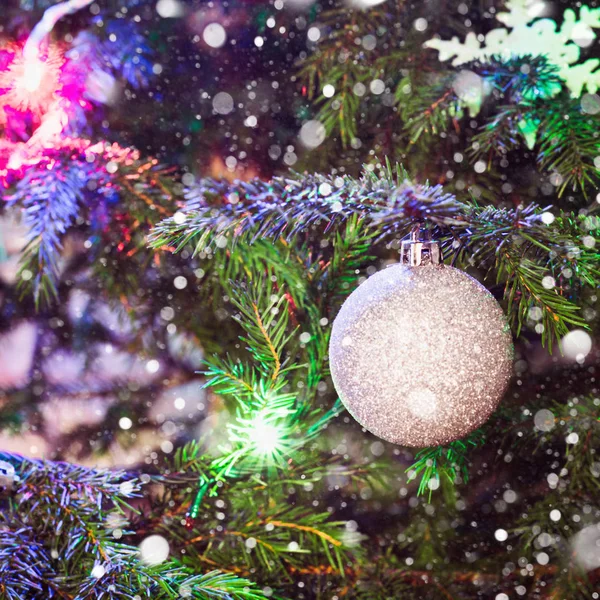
column 264, row 316
column 51, row 202
column 570, row 147
column 428, row 105
column 530, row 257
column 297, row 206
column 514, row 246
column 260, row 539
column 352, row 252
column 57, row 541
column 339, row 62
column 432, row 465
column 501, row 133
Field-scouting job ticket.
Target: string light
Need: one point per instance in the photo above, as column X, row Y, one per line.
column 32, row 76
column 32, row 84
column 265, row 436
column 262, row 432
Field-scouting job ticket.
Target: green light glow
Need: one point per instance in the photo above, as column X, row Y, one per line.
column 266, row 437
column 263, row 438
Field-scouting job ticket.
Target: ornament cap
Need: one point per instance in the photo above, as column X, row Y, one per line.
column 419, row 249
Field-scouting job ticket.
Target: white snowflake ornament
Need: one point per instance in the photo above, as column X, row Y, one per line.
column 530, row 35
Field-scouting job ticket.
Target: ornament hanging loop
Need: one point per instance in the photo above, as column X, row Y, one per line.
column 419, row 249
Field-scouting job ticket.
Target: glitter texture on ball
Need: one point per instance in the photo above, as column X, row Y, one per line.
column 421, row 356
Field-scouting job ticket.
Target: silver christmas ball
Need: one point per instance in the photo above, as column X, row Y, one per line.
column 420, row 355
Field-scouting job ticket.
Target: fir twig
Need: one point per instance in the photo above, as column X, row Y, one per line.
column 514, row 245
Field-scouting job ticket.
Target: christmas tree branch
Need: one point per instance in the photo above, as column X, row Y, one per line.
column 271, row 424
column 297, row 206
column 449, row 462
column 56, row 540
column 427, row 107
column 264, row 317
column 530, row 251
column 570, row 147
column 77, row 180
column 501, row 133
column 520, row 102
column 51, row 203
column 516, row 245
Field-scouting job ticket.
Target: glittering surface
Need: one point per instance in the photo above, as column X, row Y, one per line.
column 421, row 356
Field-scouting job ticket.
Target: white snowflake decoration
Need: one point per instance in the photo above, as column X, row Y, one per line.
column 533, row 36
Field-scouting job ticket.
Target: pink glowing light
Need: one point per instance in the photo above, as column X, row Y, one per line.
column 39, row 91
column 32, row 76
column 30, row 84
column 34, row 104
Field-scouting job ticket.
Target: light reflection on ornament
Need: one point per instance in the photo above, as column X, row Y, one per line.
column 422, row 403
